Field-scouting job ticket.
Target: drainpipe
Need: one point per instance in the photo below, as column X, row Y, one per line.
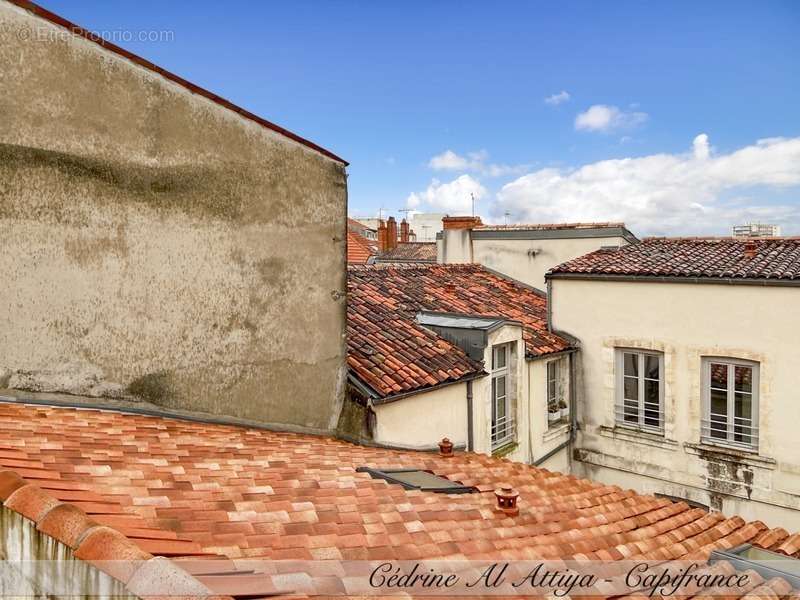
column 573, row 411
column 469, row 416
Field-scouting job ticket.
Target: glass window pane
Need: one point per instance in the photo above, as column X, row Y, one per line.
column 651, row 368
column 551, row 370
column 551, row 391
column 631, row 388
column 719, row 376
column 630, row 411
column 719, row 414
column 631, row 364
column 743, row 379
column 499, row 357
column 651, row 404
column 500, row 387
column 743, row 413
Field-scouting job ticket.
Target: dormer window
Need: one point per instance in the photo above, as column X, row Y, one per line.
column 503, row 425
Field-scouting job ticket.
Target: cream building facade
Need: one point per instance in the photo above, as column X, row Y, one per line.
column 688, row 387
column 524, row 252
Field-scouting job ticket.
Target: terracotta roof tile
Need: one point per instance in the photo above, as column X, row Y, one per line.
column 411, row 252
column 343, row 513
column 393, row 354
column 359, row 249
column 729, row 258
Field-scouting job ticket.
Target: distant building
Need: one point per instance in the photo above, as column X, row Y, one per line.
column 524, row 252
column 756, row 230
column 426, row 225
column 364, row 230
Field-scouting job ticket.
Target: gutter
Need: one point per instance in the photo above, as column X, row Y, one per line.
column 378, row 400
column 674, row 279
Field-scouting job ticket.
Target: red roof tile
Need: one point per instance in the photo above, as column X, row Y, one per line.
column 410, row 252
column 359, row 249
column 393, row 354
column 770, row 259
column 345, row 514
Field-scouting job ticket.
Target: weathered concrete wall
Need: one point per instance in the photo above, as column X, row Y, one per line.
column 162, row 240
column 527, row 260
column 687, row 322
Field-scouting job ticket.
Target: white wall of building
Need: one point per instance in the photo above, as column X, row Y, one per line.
column 527, row 260
column 687, row 322
column 422, row 420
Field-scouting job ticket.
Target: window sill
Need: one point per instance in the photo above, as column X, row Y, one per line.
column 639, row 437
column 556, row 430
column 505, row 449
column 748, row 457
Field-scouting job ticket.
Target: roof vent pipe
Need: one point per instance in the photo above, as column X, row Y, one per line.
column 507, row 499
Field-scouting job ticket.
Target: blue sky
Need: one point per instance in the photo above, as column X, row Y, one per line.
column 391, row 86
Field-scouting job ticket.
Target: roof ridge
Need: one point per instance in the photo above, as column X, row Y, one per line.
column 75, row 29
column 105, row 547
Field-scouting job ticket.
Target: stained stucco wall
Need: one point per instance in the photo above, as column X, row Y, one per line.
column 527, row 260
column 153, row 236
column 687, row 322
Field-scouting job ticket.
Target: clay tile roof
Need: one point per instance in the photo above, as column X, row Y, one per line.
column 235, row 492
column 766, row 259
column 359, row 249
column 410, row 252
column 393, row 354
column 549, row 226
column 146, row 64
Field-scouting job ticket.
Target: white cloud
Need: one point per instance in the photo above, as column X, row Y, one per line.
column 474, row 162
column 557, row 99
column 454, row 197
column 696, row 192
column 700, row 147
column 604, row 118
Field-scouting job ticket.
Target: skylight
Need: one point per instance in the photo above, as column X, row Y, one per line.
column 766, row 563
column 418, row 479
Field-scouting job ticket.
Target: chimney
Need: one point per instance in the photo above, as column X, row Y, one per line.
column 404, row 230
column 382, row 247
column 461, row 222
column 391, row 233
column 750, row 249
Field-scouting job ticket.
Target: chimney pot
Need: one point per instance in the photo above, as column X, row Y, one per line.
column 446, row 448
column 461, row 222
column 382, row 236
column 507, row 499
column 404, row 231
column 750, row 249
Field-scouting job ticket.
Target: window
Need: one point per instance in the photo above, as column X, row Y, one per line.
column 502, row 415
column 730, row 402
column 418, row 479
column 557, row 406
column 640, row 390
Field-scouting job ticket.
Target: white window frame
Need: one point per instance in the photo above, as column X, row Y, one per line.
column 619, row 404
column 503, row 430
column 558, row 379
column 731, row 418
